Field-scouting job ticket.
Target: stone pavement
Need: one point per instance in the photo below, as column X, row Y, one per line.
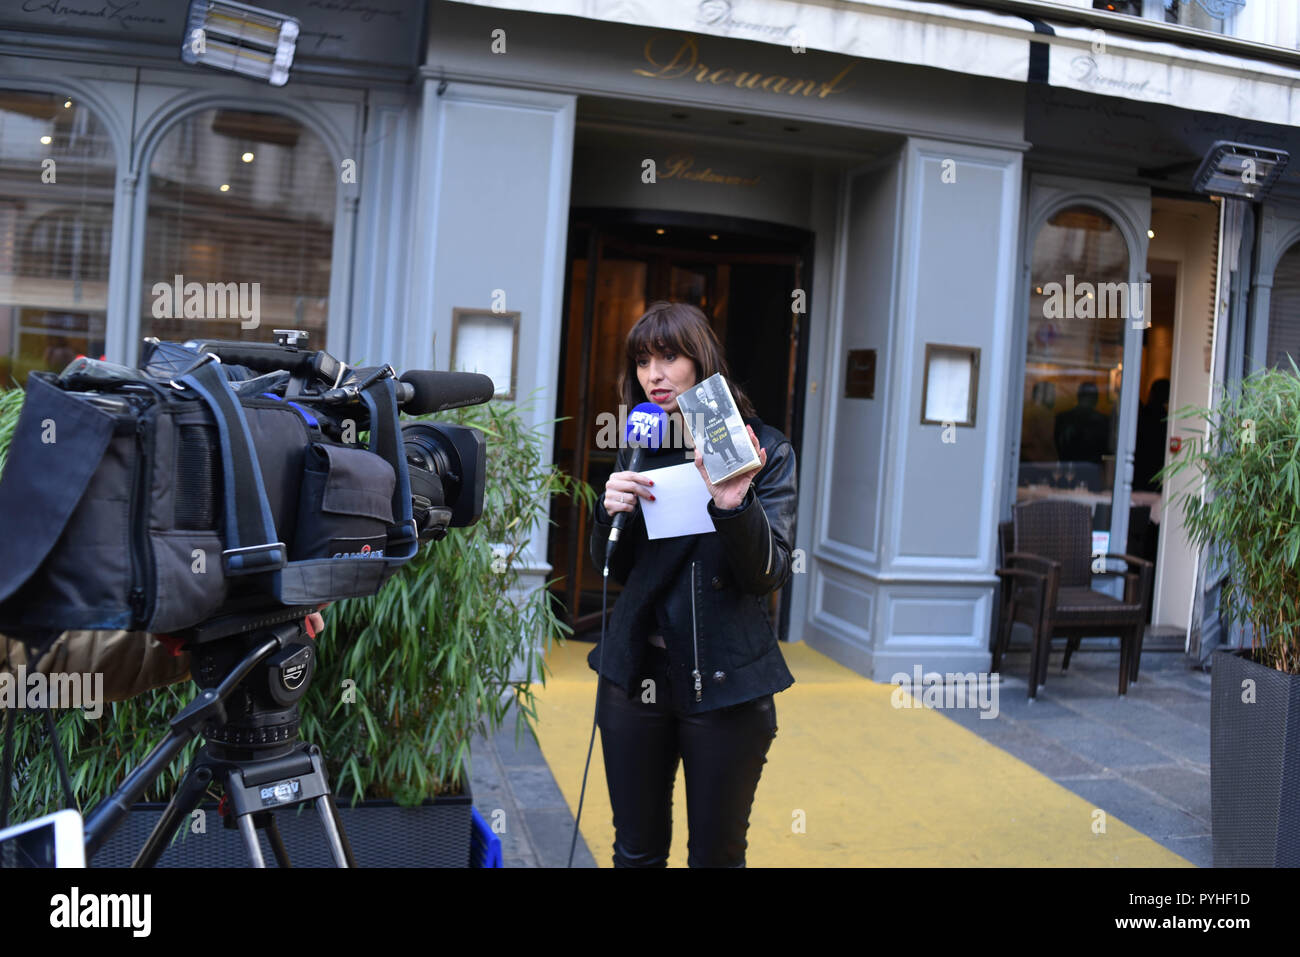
column 1144, row 758
column 517, row 781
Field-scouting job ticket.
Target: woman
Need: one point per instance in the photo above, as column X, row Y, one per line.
column 690, row 661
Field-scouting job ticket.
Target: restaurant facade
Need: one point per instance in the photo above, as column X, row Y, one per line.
column 951, row 253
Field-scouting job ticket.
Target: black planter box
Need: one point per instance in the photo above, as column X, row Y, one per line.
column 382, row 834
column 1254, row 764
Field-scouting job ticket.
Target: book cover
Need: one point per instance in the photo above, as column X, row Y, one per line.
column 717, row 429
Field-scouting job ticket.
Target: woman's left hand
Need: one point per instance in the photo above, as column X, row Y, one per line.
column 731, row 493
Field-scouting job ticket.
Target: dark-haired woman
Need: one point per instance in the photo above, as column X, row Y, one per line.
column 690, row 661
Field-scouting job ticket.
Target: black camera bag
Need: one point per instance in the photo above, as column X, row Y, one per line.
column 157, row 508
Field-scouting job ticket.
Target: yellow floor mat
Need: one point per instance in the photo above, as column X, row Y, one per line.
column 872, row 785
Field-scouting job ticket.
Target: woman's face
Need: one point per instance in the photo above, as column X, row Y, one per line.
column 665, row 376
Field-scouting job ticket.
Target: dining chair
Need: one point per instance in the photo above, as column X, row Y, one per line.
column 1052, row 541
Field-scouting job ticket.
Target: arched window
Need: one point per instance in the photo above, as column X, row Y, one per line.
column 56, row 213
column 1284, row 311
column 240, row 231
column 1074, row 355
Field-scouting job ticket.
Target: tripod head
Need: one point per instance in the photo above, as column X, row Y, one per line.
column 261, row 717
column 252, row 667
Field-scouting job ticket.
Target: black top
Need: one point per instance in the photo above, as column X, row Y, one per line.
column 723, row 637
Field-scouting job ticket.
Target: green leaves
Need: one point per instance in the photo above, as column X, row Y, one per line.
column 432, row 653
column 11, row 404
column 1241, row 495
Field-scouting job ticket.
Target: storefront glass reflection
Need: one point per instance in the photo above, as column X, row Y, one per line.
column 1284, row 312
column 241, row 228
column 1079, row 297
column 56, row 219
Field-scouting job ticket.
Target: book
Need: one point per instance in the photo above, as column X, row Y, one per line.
column 717, row 429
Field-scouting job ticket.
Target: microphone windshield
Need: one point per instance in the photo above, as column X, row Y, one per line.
column 439, row 391
column 646, row 426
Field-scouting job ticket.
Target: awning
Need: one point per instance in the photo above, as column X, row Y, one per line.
column 978, row 42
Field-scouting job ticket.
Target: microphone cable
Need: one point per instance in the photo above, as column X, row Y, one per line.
column 600, row 662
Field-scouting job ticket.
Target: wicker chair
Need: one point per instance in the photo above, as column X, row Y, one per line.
column 1023, row 601
column 1052, row 541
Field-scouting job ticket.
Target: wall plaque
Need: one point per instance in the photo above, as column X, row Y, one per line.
column 860, row 380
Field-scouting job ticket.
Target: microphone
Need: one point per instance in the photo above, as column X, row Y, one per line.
column 440, row 391
column 420, row 391
column 645, row 429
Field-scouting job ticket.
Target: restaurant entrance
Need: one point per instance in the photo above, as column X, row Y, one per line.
column 743, row 274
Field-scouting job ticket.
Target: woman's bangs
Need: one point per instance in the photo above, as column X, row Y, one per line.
column 658, row 334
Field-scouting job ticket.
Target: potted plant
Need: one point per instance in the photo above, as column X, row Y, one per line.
column 404, row 680
column 1243, row 503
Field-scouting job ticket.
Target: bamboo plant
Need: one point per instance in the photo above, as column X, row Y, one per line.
column 1241, row 500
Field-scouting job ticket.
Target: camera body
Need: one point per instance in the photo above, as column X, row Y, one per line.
column 224, row 480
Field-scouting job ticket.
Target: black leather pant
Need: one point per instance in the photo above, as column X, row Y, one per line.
column 723, row 753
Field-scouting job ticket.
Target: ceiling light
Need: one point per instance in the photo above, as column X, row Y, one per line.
column 1151, row 234
column 225, row 187
column 659, row 231
column 247, row 157
column 67, row 104
column 46, row 140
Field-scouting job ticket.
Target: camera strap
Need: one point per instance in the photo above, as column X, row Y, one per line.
column 247, row 514
column 251, row 545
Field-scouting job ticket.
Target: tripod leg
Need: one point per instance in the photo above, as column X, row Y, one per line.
column 277, row 843
column 334, row 832
column 185, row 800
column 246, row 831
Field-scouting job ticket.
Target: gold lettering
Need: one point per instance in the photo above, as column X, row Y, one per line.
column 829, row 85
column 681, row 166
column 683, row 61
column 676, row 166
column 686, row 61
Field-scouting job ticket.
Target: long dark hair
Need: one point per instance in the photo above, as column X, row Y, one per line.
column 683, row 329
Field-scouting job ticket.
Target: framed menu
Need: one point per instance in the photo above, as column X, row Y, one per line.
column 951, row 384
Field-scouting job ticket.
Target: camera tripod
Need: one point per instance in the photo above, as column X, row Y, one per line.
column 251, row 679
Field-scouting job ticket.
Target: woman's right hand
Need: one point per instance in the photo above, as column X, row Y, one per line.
column 622, row 489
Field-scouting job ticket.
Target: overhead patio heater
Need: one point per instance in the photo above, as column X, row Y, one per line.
column 1239, row 170
column 242, row 39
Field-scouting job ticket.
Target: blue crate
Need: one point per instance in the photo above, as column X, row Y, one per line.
column 485, row 847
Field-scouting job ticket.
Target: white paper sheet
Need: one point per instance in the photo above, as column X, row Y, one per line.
column 681, row 503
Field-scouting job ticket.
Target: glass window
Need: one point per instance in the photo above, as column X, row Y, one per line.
column 1074, row 358
column 56, row 219
column 1284, row 311
column 1210, row 15
column 240, row 231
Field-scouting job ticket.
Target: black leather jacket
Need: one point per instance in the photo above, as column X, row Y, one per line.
column 704, row 593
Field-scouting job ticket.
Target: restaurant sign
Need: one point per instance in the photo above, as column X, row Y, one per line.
column 682, row 62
